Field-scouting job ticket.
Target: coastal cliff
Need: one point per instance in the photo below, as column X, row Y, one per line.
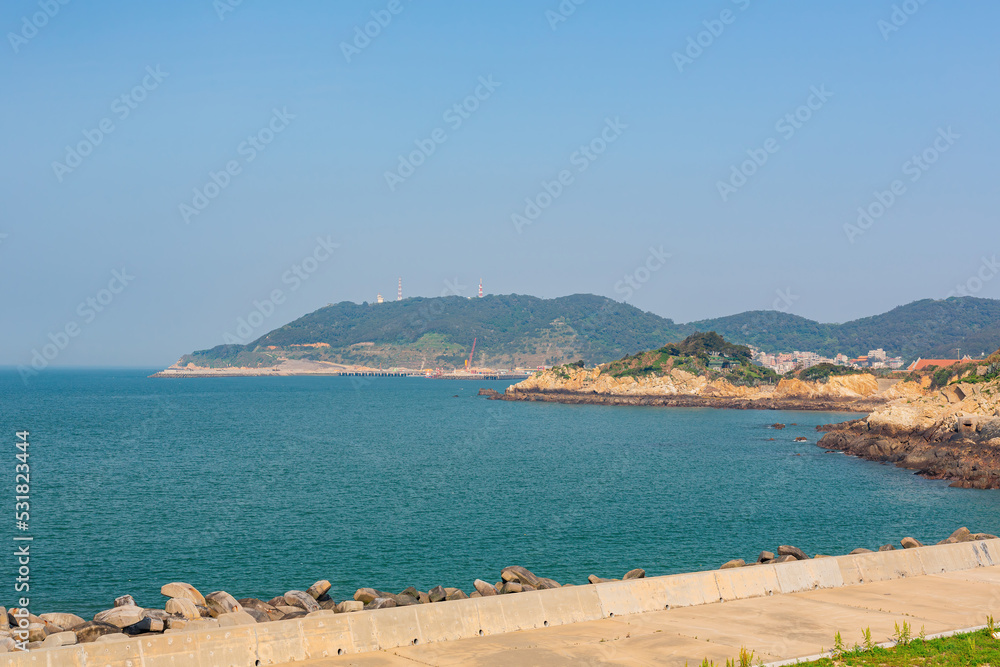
column 680, row 388
column 951, row 434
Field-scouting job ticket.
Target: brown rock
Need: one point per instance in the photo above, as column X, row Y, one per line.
column 594, row 579
column 287, row 610
column 510, row 587
column 887, row 547
column 319, row 589
column 91, row 630
column 785, row 559
column 544, row 583
column 258, row 615
column 367, row 595
column 155, row 613
column 637, row 573
column 298, row 613
column 183, row 607
column 302, row 600
column 348, row 606
column 405, row 600
column 179, row 589
column 728, row 565
column 330, row 603
column 437, row 594
column 520, row 575
column 483, row 588
column 145, row 626
column 63, row 621
column 277, row 601
column 120, row 616
column 963, row 534
column 39, row 631
column 765, row 556
column 455, row 594
column 125, row 601
column 788, row 550
column 221, row 602
column 65, row 638
column 861, row 550
column 911, row 543
column 423, row 597
column 381, row 603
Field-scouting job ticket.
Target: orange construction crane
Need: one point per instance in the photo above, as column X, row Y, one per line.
column 468, row 362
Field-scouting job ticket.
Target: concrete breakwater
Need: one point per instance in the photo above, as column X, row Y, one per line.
column 196, row 629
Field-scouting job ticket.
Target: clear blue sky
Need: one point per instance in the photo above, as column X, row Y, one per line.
column 680, row 130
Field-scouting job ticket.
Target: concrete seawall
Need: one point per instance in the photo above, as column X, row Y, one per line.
column 325, row 634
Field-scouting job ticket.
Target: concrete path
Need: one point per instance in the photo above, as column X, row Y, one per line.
column 779, row 627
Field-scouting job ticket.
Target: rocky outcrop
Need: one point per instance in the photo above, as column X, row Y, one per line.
column 951, row 434
column 679, row 388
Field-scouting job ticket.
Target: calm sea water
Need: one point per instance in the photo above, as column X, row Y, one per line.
column 261, row 485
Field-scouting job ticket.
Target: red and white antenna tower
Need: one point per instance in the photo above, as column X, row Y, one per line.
column 480, row 288
column 399, row 293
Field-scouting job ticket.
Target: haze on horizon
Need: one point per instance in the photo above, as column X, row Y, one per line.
column 204, row 150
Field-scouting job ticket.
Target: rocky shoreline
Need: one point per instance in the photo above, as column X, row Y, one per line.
column 860, row 405
column 968, row 461
column 186, row 608
column 952, row 434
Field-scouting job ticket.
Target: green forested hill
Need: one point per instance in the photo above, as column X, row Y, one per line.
column 510, row 330
column 517, row 330
column 926, row 328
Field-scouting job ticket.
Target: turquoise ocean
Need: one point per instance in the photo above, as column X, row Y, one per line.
column 261, row 485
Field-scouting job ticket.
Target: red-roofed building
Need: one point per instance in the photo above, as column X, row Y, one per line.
column 921, row 364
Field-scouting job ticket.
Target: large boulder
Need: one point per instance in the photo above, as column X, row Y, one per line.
column 381, row 603
column 519, row 574
column 861, row 550
column 39, row 631
column 510, row 587
column 302, row 600
column 179, row 589
column 436, row 594
column 545, row 583
column 120, row 616
column 319, row 589
column 125, row 601
column 65, row 638
column 155, row 613
column 365, row 595
column 183, row 607
column 91, row 630
column 455, row 594
column 637, row 573
column 259, row 606
column 887, row 547
column 64, row 621
column 737, row 562
column 221, row 602
column 789, row 550
column 765, row 557
column 911, row 543
column 594, row 579
column 258, row 615
column 484, row 588
column 144, row 626
column 349, row 606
